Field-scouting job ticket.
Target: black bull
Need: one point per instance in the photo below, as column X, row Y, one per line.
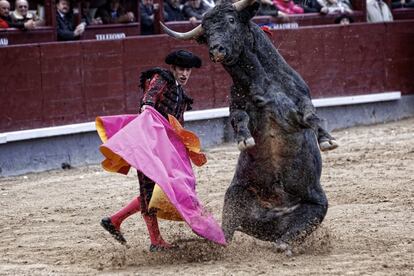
column 275, row 194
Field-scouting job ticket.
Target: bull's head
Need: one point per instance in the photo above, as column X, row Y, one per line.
column 225, row 29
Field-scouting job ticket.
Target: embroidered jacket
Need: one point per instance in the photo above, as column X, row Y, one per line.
column 162, row 92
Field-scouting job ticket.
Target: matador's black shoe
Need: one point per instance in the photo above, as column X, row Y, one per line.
column 155, row 248
column 107, row 224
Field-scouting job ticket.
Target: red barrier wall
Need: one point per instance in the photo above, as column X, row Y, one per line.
column 61, row 83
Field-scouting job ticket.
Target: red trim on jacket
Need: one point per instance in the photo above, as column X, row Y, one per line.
column 3, row 24
column 154, row 89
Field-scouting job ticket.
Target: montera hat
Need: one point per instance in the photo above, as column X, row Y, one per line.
column 183, row 59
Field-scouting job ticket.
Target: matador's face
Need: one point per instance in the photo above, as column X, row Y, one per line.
column 181, row 74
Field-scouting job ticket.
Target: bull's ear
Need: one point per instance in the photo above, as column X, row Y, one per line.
column 247, row 13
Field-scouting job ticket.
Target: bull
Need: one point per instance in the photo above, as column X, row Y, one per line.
column 275, row 194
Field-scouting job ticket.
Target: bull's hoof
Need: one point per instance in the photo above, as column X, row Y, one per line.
column 328, row 145
column 283, row 247
column 246, row 144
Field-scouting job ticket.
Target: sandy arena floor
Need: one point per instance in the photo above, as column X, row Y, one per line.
column 50, row 221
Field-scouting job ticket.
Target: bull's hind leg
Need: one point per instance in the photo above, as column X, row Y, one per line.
column 310, row 119
column 234, row 209
column 300, row 222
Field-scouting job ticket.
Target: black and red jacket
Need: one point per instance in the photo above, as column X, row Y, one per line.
column 163, row 93
column 7, row 22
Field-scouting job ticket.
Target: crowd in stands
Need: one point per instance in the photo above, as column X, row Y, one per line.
column 20, row 18
column 114, row 12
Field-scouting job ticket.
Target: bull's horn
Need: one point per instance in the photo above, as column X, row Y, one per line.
column 240, row 5
column 194, row 33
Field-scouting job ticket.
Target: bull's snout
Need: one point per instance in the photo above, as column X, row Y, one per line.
column 217, row 53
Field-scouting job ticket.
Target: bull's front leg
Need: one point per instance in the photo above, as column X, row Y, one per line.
column 239, row 119
column 258, row 81
column 325, row 140
column 240, row 122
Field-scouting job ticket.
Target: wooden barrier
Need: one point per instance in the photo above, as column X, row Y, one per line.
column 63, row 83
column 403, row 13
column 111, row 32
column 13, row 36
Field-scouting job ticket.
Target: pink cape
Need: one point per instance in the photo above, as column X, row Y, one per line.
column 149, row 144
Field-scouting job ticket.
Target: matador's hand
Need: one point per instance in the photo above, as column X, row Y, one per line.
column 143, row 107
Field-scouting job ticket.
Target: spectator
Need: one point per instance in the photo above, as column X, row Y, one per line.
column 267, row 8
column 6, row 21
column 173, row 10
column 22, row 14
column 309, row 6
column 397, row 4
column 378, row 11
column 288, row 7
column 113, row 12
column 344, row 19
column 335, row 6
column 194, row 10
column 4, row 14
column 147, row 10
column 64, row 18
column 209, row 3
column 87, row 15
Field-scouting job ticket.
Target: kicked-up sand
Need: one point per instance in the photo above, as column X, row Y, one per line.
column 49, row 222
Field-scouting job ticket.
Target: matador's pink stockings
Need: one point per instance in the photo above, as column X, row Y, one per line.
column 150, row 220
column 133, row 207
column 157, row 241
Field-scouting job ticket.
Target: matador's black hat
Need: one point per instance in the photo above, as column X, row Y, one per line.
column 184, row 59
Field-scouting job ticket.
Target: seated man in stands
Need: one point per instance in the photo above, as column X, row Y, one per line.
column 6, row 21
column 378, row 11
column 173, row 10
column 113, row 12
column 147, row 9
column 267, row 8
column 87, row 14
column 335, row 6
column 397, row 4
column 22, row 14
column 309, row 6
column 288, row 7
column 64, row 19
column 194, row 10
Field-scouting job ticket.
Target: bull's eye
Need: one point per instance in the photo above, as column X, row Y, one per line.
column 231, row 20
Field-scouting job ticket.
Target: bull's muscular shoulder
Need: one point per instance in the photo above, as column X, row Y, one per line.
column 148, row 74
